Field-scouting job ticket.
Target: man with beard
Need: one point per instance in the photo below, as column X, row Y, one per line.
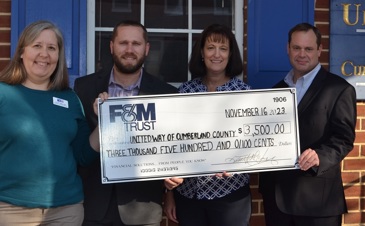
column 132, row 203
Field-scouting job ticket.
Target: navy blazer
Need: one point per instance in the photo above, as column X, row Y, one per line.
column 327, row 119
column 139, row 202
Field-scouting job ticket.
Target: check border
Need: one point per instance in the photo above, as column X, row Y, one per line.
column 122, row 158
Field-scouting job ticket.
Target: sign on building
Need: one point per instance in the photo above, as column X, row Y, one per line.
column 347, row 42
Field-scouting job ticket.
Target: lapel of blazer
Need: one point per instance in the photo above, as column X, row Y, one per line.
column 312, row 91
column 102, row 81
column 146, row 87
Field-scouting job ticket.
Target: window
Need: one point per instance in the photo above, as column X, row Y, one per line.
column 173, row 26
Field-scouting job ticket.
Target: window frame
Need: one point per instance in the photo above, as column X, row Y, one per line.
column 91, row 29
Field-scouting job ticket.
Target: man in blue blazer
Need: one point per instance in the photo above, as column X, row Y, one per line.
column 313, row 195
column 130, row 203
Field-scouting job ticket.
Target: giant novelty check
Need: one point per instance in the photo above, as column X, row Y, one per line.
column 184, row 135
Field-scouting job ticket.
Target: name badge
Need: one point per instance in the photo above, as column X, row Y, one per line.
column 60, row 102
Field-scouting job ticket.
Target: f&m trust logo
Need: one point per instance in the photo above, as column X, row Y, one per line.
column 136, row 117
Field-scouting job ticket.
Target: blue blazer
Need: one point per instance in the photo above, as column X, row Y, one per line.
column 327, row 119
column 139, row 202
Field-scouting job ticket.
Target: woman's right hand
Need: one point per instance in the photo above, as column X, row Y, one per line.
column 170, row 206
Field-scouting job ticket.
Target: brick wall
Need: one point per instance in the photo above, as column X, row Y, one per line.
column 4, row 32
column 353, row 167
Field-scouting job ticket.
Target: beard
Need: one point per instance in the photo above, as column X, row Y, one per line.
column 128, row 68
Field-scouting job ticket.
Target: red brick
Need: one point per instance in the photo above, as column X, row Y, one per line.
column 255, row 207
column 354, row 218
column 362, row 179
column 322, row 4
column 324, row 57
column 354, row 191
column 358, row 124
column 355, row 152
column 5, row 36
column 361, row 109
column 362, row 203
column 360, row 137
column 254, row 179
column 325, row 66
column 353, row 204
column 350, row 177
column 255, row 193
column 354, row 164
column 5, row 6
column 321, row 16
column 325, row 30
column 4, row 51
column 257, row 221
column 4, row 20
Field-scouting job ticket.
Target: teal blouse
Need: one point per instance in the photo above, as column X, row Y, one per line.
column 43, row 137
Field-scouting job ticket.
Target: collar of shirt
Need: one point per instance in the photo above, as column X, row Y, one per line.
column 196, row 85
column 116, row 90
column 302, row 83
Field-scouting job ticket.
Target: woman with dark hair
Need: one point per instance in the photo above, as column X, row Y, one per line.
column 223, row 199
column 44, row 134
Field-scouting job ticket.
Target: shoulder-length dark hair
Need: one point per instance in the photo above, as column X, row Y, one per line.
column 218, row 33
column 15, row 73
